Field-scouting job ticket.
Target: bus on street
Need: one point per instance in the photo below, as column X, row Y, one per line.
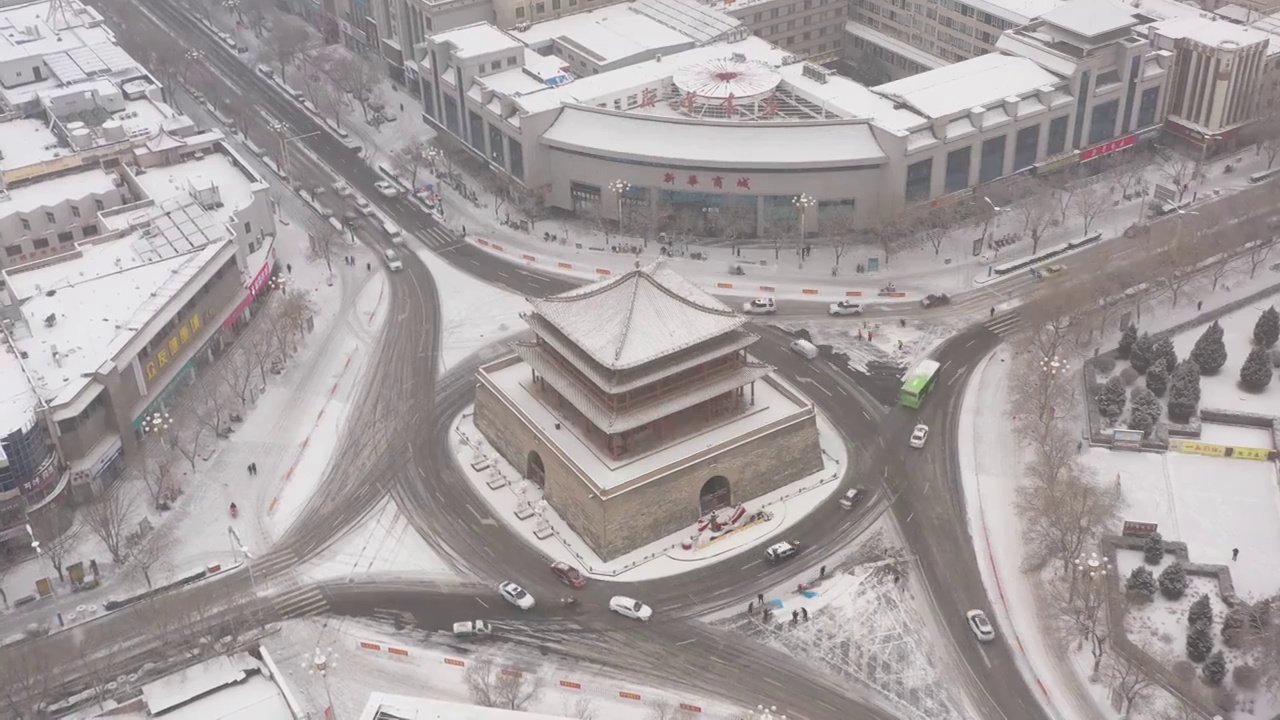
column 919, row 381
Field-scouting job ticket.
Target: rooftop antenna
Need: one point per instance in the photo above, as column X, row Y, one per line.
column 59, row 9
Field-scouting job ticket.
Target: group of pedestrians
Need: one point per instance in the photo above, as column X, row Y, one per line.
column 253, row 469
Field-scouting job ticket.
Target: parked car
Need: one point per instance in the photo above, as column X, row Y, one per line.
column 364, row 207
column 568, row 574
column 628, row 607
column 933, row 300
column 919, row 435
column 471, row 629
column 760, row 306
column 850, row 498
column 516, row 595
column 778, row 552
column 980, row 625
column 386, row 189
column 845, row 307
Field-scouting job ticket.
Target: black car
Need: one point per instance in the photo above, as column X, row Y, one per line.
column 935, row 300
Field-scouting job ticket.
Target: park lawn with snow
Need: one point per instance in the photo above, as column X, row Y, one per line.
column 1222, row 390
column 1160, row 627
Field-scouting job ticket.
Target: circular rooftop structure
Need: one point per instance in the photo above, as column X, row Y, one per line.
column 736, row 79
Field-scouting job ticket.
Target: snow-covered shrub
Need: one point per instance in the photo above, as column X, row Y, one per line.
column 1210, row 353
column 1173, row 583
column 1267, row 330
column 1163, row 350
column 1127, row 339
column 1184, row 391
column 1245, row 676
column 1199, row 643
column 1143, row 353
column 1111, row 399
column 1129, row 376
column 1255, row 374
column 1153, row 551
column 1141, row 584
column 1158, row 377
column 1105, row 364
column 1144, row 410
column 1201, row 612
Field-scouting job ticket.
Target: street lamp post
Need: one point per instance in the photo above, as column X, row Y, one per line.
column 619, row 188
column 803, row 202
column 282, row 130
column 1052, row 366
column 322, row 661
column 1091, row 573
column 158, row 423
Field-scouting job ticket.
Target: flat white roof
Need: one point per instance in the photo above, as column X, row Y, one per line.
column 215, row 169
column 234, row 687
column 25, row 33
column 18, row 399
column 626, row 29
column 608, row 473
column 851, row 99
column 26, row 141
column 54, row 191
column 1210, row 32
column 1017, row 11
column 1090, row 18
column 729, row 145
column 418, row 708
column 478, row 39
column 910, row 52
column 976, row 82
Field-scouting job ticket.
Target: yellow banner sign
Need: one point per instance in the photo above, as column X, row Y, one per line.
column 1195, row 447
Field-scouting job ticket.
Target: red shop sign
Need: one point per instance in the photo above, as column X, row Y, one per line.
column 1107, row 148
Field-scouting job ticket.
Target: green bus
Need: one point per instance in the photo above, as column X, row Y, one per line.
column 919, row 382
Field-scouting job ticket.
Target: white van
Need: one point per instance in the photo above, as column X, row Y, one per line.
column 392, row 232
column 804, row 349
column 393, row 260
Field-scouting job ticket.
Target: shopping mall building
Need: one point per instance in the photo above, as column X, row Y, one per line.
column 667, row 114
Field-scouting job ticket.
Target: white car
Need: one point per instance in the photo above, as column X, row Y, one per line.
column 628, row 607
column 364, row 207
column 386, row 189
column 760, row 306
column 844, row 307
column 919, row 436
column 342, row 188
column 980, row 626
column 516, row 595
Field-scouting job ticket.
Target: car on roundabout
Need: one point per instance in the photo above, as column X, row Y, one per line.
column 568, row 574
column 919, row 435
column 386, row 189
column 779, row 552
column 472, row 629
column 844, row 307
column 760, row 306
column 851, row 498
column 631, row 608
column 516, row 595
column 980, row 625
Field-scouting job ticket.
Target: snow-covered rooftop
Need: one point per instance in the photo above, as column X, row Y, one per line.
column 1091, row 18
column 1212, row 32
column 972, row 83
column 234, row 687
column 188, row 179
column 478, row 39
column 615, row 32
column 54, row 191
column 674, row 142
column 385, row 705
column 1017, row 11
column 29, row 30
column 639, row 317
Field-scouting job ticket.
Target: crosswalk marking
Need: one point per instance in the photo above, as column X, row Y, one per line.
column 275, row 562
column 438, row 238
column 1004, row 325
column 300, row 602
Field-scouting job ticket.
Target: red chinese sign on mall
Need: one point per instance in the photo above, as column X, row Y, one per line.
column 1107, row 148
column 742, row 183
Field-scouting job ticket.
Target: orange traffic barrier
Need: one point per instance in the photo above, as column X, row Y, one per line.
column 766, row 288
column 455, row 663
column 726, row 286
column 628, row 695
column 570, row 684
column 370, row 646
column 807, row 291
column 690, row 708
column 894, row 294
column 853, row 293
column 511, row 672
column 566, row 266
column 530, row 258
column 483, row 242
column 497, row 247
column 398, row 651
column 602, row 271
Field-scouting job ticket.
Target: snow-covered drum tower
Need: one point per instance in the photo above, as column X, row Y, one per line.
column 637, row 409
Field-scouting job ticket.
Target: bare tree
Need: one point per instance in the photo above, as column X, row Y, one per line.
column 1064, row 514
column 1257, row 253
column 289, row 37
column 581, row 708
column 157, row 477
column 1178, row 169
column 153, row 550
column 356, row 76
column 1062, row 189
column 58, row 533
column 1036, row 211
column 412, row 157
column 108, row 518
column 932, row 226
column 260, row 345
column 330, row 102
column 209, row 403
column 1081, row 606
column 889, row 234
column 1128, row 682
column 26, row 676
column 491, row 686
column 296, row 310
column 236, row 372
column 1173, row 267
column 1132, row 177
column 322, row 238
column 6, row 564
column 1266, row 134
column 1091, row 202
column 1178, row 710
column 186, row 434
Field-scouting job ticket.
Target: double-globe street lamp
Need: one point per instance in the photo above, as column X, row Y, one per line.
column 619, row 188
column 803, row 202
column 322, row 661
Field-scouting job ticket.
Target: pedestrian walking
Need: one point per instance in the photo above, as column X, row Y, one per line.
column 795, row 615
column 289, row 267
column 249, row 469
column 804, row 614
column 751, row 608
column 760, row 598
column 822, row 572
column 464, row 231
column 1199, row 304
column 368, row 266
column 1235, row 553
column 993, row 311
column 868, row 336
column 255, row 468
